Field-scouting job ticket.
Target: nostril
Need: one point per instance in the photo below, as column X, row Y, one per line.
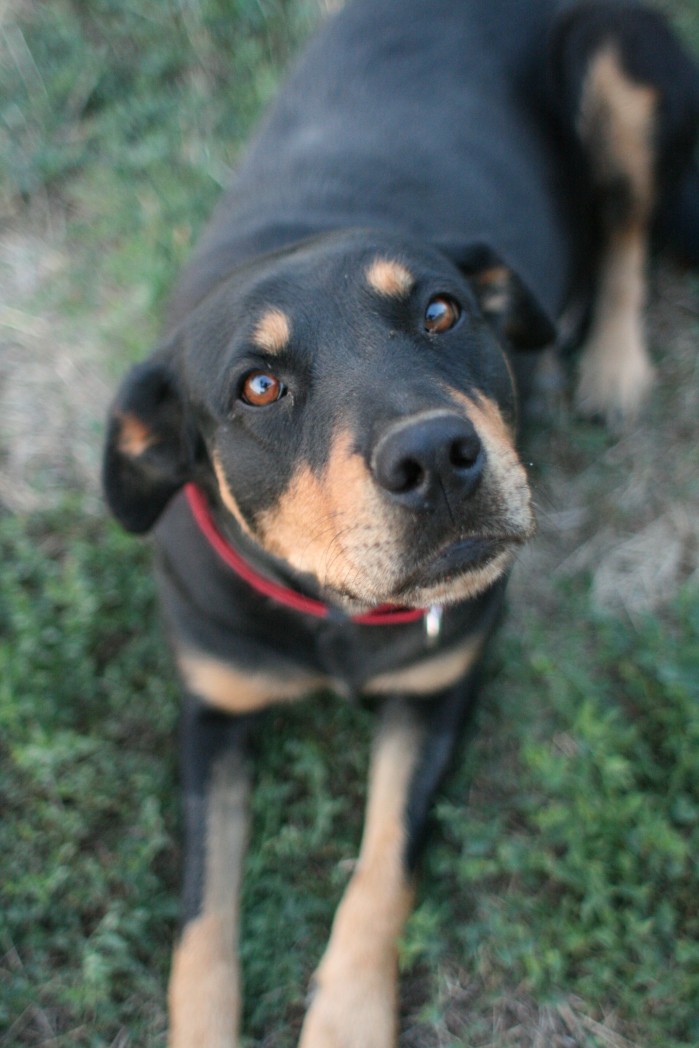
column 464, row 452
column 408, row 474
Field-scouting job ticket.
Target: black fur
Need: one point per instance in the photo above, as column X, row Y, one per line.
column 443, row 138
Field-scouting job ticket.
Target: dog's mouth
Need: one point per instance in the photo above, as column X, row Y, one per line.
column 458, row 571
column 470, row 554
column 461, row 569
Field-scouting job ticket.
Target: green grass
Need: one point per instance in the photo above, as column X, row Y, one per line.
column 586, row 869
column 561, row 884
column 86, row 779
column 128, row 117
column 571, row 870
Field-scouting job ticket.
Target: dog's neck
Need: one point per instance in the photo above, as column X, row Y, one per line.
column 269, row 579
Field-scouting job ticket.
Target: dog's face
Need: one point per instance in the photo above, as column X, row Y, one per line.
column 354, row 408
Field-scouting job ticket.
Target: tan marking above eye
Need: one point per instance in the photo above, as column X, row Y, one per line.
column 494, row 289
column 389, row 278
column 441, row 314
column 272, row 331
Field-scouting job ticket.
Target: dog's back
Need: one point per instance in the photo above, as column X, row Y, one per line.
column 463, row 152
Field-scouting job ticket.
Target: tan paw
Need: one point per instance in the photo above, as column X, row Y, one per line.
column 616, row 376
column 204, row 991
column 358, row 1011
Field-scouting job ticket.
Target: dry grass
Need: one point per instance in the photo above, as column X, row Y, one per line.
column 516, row 1020
column 53, row 387
column 623, row 508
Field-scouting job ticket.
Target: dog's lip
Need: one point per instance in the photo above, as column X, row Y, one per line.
column 463, row 555
column 452, row 561
column 472, row 553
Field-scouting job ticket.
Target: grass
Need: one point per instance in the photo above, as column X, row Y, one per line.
column 569, row 873
column 558, row 902
column 586, row 872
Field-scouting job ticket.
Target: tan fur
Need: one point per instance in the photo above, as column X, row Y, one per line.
column 494, row 289
column 272, row 331
column 617, row 121
column 227, row 496
column 505, row 475
column 355, row 1001
column 205, row 992
column 134, row 435
column 616, row 373
column 225, row 686
column 428, row 675
column 203, row 995
column 339, row 528
column 335, row 525
column 391, row 279
column 505, row 483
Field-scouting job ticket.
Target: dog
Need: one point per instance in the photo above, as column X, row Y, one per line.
column 324, row 442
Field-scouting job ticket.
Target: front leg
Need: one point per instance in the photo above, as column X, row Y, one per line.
column 355, row 999
column 204, row 992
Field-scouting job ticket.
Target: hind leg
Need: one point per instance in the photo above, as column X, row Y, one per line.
column 630, row 98
column 616, row 123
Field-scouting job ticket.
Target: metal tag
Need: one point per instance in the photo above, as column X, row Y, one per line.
column 433, row 624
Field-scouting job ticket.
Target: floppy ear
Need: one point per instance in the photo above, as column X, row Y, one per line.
column 504, row 298
column 150, row 449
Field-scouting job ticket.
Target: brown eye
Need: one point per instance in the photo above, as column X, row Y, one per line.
column 259, row 389
column 441, row 314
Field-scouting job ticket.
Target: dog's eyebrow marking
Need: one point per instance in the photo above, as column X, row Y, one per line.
column 390, row 278
column 272, row 331
column 494, row 285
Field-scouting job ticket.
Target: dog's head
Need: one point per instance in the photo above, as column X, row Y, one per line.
column 350, row 404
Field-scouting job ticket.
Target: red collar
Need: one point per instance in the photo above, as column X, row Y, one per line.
column 384, row 615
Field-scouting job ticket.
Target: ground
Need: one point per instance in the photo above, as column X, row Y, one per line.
column 558, row 904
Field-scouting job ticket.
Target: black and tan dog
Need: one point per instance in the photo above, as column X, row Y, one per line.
column 326, row 437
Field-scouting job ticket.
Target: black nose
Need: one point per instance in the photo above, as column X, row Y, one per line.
column 416, row 462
